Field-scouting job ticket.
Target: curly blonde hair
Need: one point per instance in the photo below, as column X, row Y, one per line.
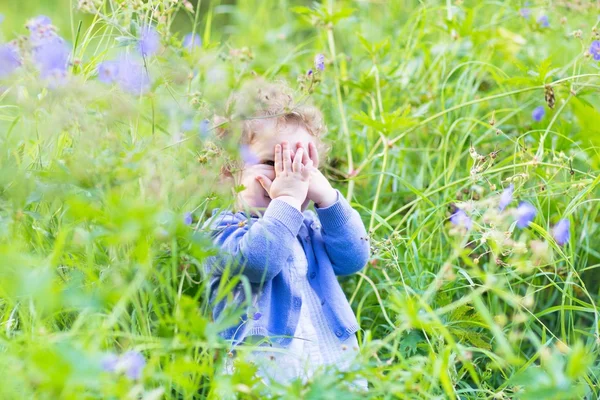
column 257, row 100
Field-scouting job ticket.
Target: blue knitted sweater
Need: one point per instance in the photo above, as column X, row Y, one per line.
column 335, row 243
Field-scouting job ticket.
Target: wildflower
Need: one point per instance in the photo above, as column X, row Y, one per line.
column 257, row 316
column 109, row 362
column 149, row 41
column 132, row 363
column 561, row 231
column 320, row 62
column 310, row 72
column 538, row 113
column 461, row 219
column 187, row 218
column 525, row 12
column 506, row 197
column 544, row 21
column 38, row 22
column 52, row 57
column 248, row 156
column 595, row 50
column 204, row 127
column 9, row 59
column 525, row 214
column 191, row 41
column 133, row 77
column 108, row 71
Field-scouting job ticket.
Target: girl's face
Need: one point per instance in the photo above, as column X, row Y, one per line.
column 263, row 148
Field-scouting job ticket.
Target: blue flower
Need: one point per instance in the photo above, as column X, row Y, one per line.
column 525, row 12
column 109, row 362
column 187, row 218
column 538, row 113
column 461, row 219
column 204, row 128
column 108, row 71
column 506, row 197
column 310, row 72
column 595, row 50
column 544, row 21
column 248, row 156
column 38, row 22
column 9, row 59
column 561, row 231
column 525, row 214
column 191, row 41
column 52, row 57
column 133, row 76
column 149, row 42
column 320, row 62
column 133, row 364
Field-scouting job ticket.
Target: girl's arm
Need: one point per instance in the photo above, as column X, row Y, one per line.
column 258, row 250
column 345, row 237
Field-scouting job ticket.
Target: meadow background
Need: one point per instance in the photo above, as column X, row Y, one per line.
column 432, row 106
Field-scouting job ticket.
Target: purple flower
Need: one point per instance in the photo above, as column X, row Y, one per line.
column 248, row 156
column 525, row 12
column 108, row 71
column 561, row 231
column 37, row 22
column 187, row 218
column 538, row 113
column 149, row 41
column 595, row 50
column 310, row 72
column 543, row 21
column 52, row 57
column 109, row 362
column 133, row 76
column 506, row 197
column 204, row 127
column 256, row 316
column 320, row 62
column 191, row 41
column 132, row 363
column 525, row 214
column 461, row 219
column 9, row 59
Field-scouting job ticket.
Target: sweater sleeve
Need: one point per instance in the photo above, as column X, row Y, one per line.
column 345, row 237
column 258, row 250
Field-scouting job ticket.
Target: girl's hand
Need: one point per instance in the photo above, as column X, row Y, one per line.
column 320, row 190
column 291, row 177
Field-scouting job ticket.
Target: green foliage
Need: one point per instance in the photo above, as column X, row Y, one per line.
column 429, row 108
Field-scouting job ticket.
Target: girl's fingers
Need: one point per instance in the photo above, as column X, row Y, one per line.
column 297, row 166
column 278, row 159
column 287, row 159
column 305, row 156
column 307, row 169
column 314, row 154
column 264, row 182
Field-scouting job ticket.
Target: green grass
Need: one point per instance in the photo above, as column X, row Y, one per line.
column 94, row 183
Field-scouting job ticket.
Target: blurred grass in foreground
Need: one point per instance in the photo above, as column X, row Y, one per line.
column 429, row 107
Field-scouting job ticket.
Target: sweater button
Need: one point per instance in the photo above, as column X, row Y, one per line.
column 290, row 259
column 297, row 302
column 338, row 333
column 313, row 274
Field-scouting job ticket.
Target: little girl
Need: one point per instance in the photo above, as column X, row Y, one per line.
column 290, row 255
